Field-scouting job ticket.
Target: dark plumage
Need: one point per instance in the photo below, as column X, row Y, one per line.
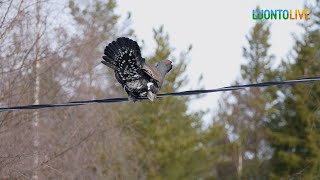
column 138, row 78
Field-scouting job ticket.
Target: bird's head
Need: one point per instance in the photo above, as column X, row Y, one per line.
column 164, row 66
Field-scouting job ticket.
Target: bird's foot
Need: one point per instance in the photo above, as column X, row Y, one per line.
column 151, row 96
column 132, row 98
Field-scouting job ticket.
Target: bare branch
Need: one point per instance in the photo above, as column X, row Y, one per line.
column 5, row 15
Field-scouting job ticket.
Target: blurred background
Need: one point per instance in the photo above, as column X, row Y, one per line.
column 50, row 52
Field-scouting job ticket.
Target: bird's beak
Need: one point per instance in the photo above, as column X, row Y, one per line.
column 168, row 62
column 170, row 68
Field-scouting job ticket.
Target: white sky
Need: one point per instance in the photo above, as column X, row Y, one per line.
column 216, row 29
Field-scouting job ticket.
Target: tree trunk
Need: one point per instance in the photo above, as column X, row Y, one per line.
column 36, row 93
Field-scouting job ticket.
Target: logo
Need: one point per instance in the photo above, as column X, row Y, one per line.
column 281, row 14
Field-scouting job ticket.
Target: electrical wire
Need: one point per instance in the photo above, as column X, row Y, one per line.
column 182, row 93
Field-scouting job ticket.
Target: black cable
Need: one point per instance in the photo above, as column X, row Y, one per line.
column 182, row 93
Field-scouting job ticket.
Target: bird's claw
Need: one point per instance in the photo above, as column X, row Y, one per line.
column 132, row 98
column 151, row 96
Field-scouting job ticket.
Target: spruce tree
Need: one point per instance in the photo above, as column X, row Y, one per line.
column 293, row 133
column 169, row 137
column 244, row 111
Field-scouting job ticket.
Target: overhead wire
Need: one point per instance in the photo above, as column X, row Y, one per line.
column 181, row 93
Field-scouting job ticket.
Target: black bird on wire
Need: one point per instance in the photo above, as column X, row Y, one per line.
column 137, row 77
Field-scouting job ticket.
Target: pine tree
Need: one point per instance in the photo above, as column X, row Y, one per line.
column 168, row 136
column 293, row 133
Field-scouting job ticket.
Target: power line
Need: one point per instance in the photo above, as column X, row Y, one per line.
column 182, row 93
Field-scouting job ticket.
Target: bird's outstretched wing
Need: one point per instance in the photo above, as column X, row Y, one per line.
column 124, row 56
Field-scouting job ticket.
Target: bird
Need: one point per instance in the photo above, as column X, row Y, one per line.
column 138, row 78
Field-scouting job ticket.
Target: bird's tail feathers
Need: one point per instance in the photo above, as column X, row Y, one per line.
column 115, row 51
